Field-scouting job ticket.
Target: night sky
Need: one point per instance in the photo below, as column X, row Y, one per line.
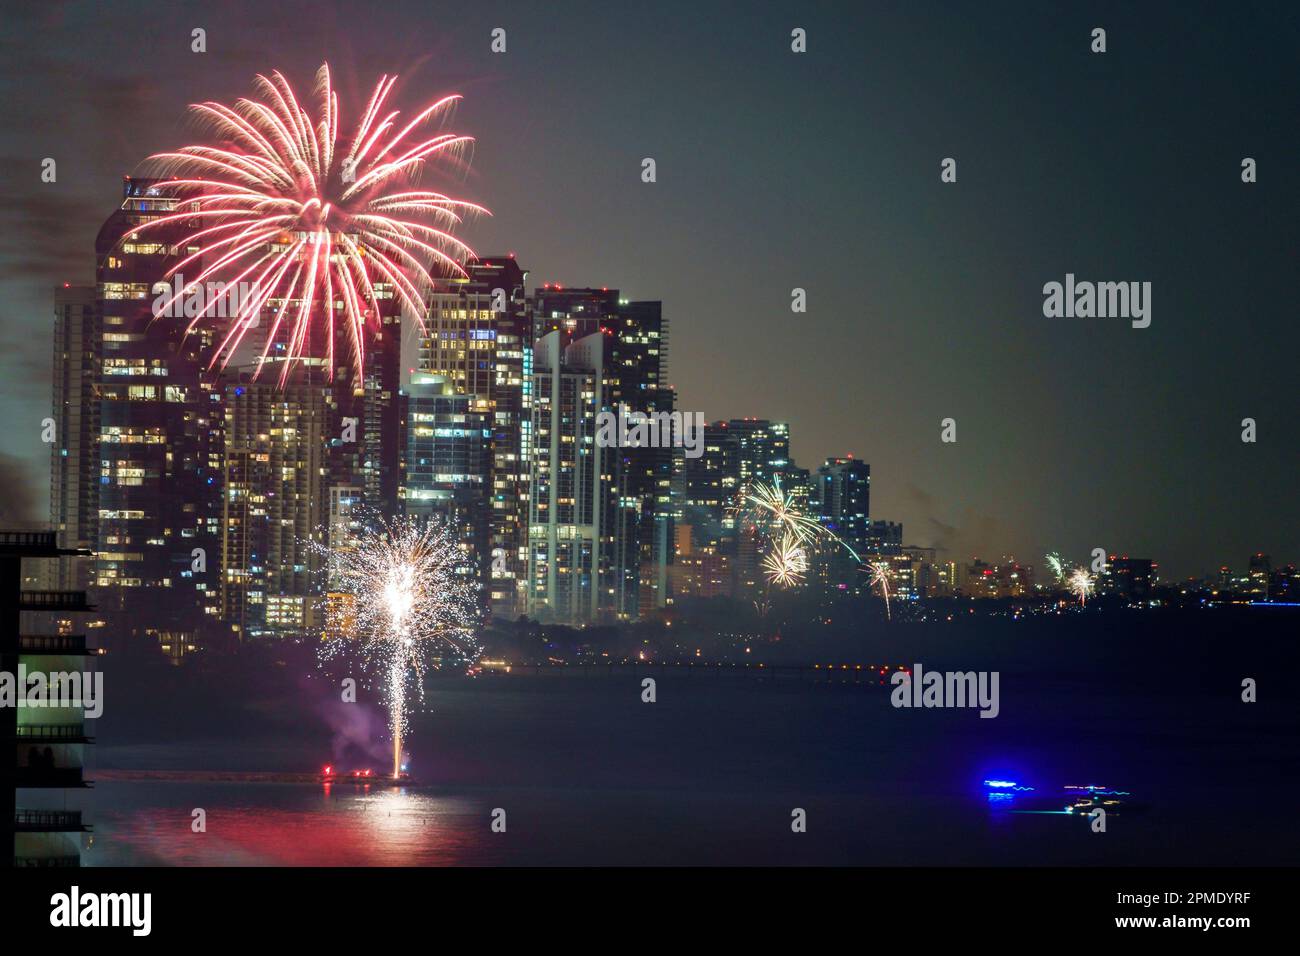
column 820, row 171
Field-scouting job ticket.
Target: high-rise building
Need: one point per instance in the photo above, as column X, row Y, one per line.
column 1131, row 578
column 763, row 448
column 700, row 570
column 314, row 447
column 478, row 336
column 710, row 486
column 762, row 454
column 40, row 824
column 159, row 442
column 568, row 576
column 906, row 575
column 798, row 485
column 380, row 411
column 636, row 483
column 1261, row 569
column 884, row 537
column 74, row 453
column 924, row 576
column 275, row 505
column 943, row 580
column 635, row 379
column 344, row 521
column 446, row 467
column 842, row 500
column 362, row 429
column 1009, row 578
column 1284, row 584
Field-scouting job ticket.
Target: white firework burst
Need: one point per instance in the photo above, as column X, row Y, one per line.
column 772, row 510
column 787, row 562
column 1081, row 583
column 398, row 602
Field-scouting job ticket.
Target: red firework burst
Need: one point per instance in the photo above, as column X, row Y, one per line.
column 309, row 223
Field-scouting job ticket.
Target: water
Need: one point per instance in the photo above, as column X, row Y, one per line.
column 264, row 823
column 709, row 774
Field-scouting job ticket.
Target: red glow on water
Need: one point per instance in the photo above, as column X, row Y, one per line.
column 351, row 828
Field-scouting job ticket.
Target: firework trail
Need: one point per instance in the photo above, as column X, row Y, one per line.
column 787, row 562
column 311, row 222
column 1057, row 564
column 880, row 578
column 398, row 602
column 768, row 508
column 775, row 515
column 1080, row 582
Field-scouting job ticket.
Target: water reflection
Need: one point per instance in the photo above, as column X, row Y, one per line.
column 289, row 825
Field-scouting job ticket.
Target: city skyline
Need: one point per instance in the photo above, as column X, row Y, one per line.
column 1072, row 434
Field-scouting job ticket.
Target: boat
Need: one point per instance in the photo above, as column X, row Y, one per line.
column 363, row 776
column 1011, row 796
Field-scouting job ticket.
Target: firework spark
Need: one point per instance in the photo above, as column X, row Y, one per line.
column 398, row 601
column 775, row 515
column 880, row 578
column 320, row 228
column 787, row 562
column 1081, row 583
column 769, row 508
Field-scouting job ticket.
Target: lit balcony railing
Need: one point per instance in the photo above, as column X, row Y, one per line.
column 52, row 644
column 53, row 601
column 52, row 733
column 44, row 861
column 48, row 821
column 35, row 544
column 27, row 539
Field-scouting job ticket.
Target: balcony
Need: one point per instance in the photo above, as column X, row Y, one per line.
column 53, row 601
column 49, row 777
column 22, row 541
column 44, row 861
column 34, row 544
column 53, row 644
column 49, row 821
column 52, row 734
